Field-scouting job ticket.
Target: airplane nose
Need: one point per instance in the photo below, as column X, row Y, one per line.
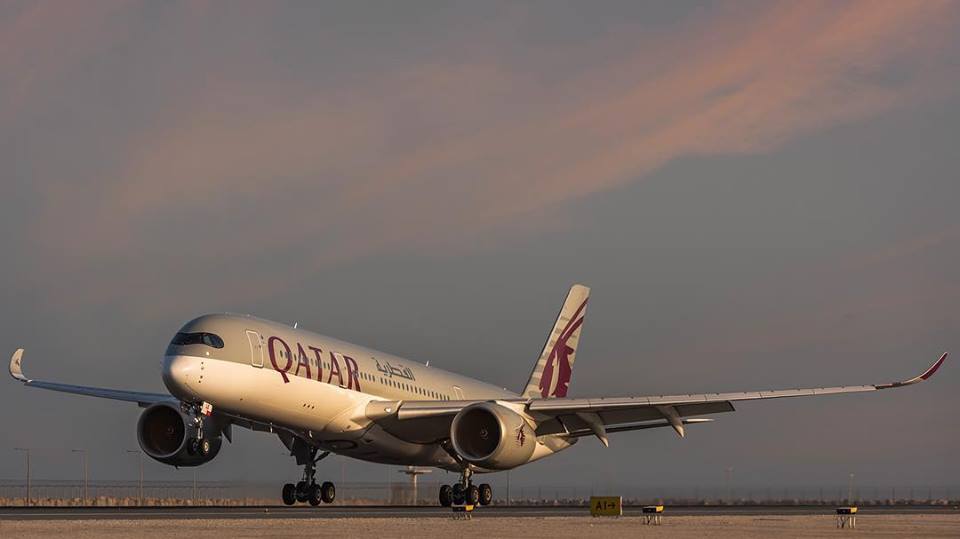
column 178, row 374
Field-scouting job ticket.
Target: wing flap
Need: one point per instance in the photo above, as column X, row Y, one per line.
column 706, row 408
column 642, row 426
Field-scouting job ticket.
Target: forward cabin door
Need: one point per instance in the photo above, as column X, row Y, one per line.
column 458, row 392
column 256, row 348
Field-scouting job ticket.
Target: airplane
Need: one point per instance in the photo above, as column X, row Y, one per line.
column 223, row 370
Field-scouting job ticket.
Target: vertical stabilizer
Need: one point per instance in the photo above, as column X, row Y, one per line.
column 551, row 374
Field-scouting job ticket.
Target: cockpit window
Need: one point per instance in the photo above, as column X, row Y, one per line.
column 209, row 339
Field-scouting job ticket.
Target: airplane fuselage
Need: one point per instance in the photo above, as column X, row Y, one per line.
column 311, row 383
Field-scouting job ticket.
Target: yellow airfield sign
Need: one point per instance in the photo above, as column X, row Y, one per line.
column 606, row 506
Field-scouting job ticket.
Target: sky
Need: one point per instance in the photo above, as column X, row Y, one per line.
column 760, row 195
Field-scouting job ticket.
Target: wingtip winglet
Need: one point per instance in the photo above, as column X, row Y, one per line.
column 16, row 369
column 926, row 374
column 933, row 368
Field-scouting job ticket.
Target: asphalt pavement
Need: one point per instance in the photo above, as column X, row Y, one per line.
column 361, row 511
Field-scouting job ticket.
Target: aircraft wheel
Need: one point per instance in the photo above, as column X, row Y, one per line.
column 289, row 494
column 472, row 495
column 486, row 494
column 458, row 494
column 446, row 496
column 315, row 495
column 203, row 448
column 193, row 446
column 328, row 492
column 302, row 491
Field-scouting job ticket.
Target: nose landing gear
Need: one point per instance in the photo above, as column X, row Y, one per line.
column 198, row 444
column 307, row 489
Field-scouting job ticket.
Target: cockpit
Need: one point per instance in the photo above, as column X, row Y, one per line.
column 208, row 339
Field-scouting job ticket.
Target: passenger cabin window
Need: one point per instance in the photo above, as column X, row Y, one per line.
column 207, row 339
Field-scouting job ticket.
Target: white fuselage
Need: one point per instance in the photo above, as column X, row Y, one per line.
column 319, row 386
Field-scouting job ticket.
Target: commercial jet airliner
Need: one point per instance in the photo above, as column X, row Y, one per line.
column 320, row 396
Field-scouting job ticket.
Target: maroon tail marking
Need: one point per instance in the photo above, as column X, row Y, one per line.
column 560, row 354
column 930, row 372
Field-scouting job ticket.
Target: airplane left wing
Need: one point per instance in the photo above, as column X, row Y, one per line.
column 141, row 398
column 599, row 416
column 593, row 415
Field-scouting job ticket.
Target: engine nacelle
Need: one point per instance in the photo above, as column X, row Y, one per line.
column 164, row 433
column 492, row 436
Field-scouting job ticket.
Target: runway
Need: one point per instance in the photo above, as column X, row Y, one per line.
column 359, row 511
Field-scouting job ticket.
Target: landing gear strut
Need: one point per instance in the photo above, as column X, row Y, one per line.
column 464, row 492
column 198, row 444
column 307, row 489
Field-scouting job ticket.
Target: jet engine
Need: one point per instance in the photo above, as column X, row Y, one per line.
column 166, row 434
column 492, row 436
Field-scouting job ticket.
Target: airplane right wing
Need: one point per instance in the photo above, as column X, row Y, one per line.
column 141, row 398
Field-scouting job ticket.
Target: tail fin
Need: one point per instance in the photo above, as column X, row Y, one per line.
column 551, row 374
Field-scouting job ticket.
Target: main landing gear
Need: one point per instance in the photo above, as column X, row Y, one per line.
column 307, row 489
column 464, row 492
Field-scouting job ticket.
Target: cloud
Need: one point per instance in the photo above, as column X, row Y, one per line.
column 41, row 42
column 435, row 153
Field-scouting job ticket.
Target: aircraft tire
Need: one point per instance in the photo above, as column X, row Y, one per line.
column 289, row 494
column 486, row 494
column 446, row 496
column 315, row 496
column 472, row 495
column 328, row 492
column 458, row 494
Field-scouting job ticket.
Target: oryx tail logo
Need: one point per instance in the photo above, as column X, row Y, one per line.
column 559, row 359
column 521, row 436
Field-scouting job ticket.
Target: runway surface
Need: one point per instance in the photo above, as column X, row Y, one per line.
column 355, row 511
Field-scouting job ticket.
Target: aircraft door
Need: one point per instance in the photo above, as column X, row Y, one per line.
column 458, row 392
column 256, row 348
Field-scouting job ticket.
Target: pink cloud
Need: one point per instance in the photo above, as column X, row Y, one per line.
column 440, row 153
